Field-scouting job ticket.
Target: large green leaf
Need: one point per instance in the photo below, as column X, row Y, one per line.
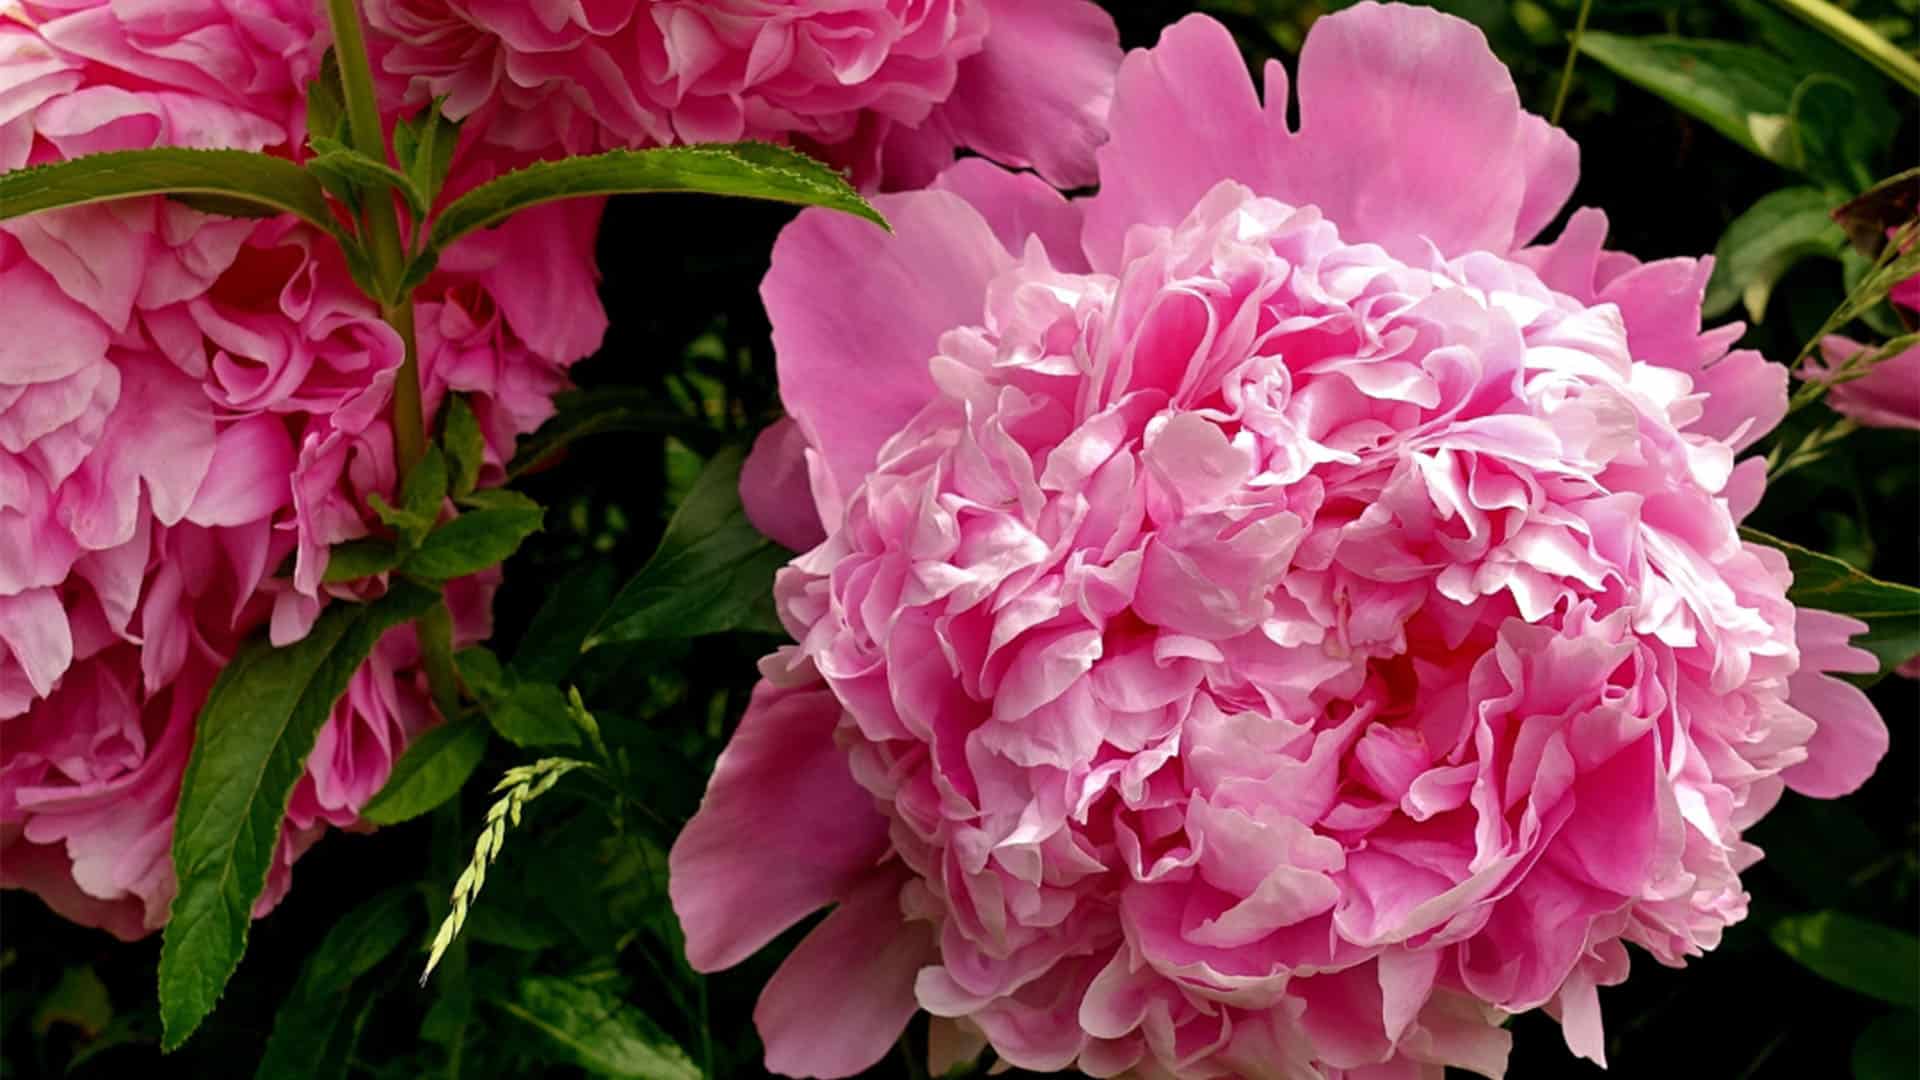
column 750, row 170
column 1763, row 243
column 254, row 734
column 1864, row 957
column 712, row 572
column 1887, row 1049
column 261, row 180
column 1742, row 92
column 429, row 773
column 308, row 1028
column 552, row 641
column 1890, row 610
column 590, row 1026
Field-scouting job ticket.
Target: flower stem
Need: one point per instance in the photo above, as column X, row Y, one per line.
column 1860, row 38
column 1573, row 52
column 382, row 224
column 389, row 256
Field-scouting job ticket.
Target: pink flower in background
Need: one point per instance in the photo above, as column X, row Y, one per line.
column 1887, row 395
column 188, row 402
column 886, row 88
column 1261, row 619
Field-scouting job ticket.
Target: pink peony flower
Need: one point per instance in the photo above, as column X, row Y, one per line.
column 887, row 88
column 1887, row 395
column 186, row 403
column 1264, row 620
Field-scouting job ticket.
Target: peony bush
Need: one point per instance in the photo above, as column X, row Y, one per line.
column 1249, row 576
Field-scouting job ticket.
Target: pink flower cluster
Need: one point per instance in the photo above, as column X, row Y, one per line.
column 1262, row 619
column 885, row 88
column 192, row 409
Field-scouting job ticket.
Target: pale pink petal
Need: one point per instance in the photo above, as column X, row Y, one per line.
column 1851, row 738
column 774, row 488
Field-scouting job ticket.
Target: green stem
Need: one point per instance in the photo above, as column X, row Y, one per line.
column 389, row 256
column 1860, row 38
column 1573, row 52
column 382, row 221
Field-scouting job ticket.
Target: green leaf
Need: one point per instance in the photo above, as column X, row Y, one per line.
column 1887, row 1049
column 1742, row 92
column 79, row 1000
column 424, row 489
column 326, row 102
column 423, row 145
column 473, row 542
column 750, row 170
column 1891, row 611
column 498, row 499
column 356, row 559
column 553, row 640
column 261, row 179
column 429, row 773
column 310, row 1023
column 466, row 447
column 534, row 714
column 1840, row 131
column 590, row 1026
column 582, row 413
column 349, row 169
column 1864, row 957
column 1763, row 243
column 712, row 572
column 254, row 734
column 481, row 671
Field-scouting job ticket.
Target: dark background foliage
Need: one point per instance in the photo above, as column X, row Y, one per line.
column 579, row 891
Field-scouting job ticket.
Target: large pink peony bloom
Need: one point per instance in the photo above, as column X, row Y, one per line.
column 188, row 403
column 1260, row 620
column 887, row 88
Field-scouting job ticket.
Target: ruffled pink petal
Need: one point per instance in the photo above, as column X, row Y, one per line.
column 774, row 488
column 783, row 830
column 843, row 997
column 1037, row 93
column 248, row 478
column 853, row 372
column 1851, row 737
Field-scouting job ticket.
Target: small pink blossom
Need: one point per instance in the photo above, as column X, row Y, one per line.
column 1262, row 619
column 1886, row 395
column 887, row 88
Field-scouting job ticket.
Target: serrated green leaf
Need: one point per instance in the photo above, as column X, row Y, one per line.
column 466, row 447
column 308, row 1029
column 579, row 414
column 423, row 145
column 429, row 773
column 473, row 542
column 712, row 572
column 1890, row 610
column 1763, row 243
column 253, row 736
column 1745, row 93
column 326, row 102
column 356, row 559
column 335, row 160
column 590, row 1026
column 421, row 494
column 534, row 714
column 497, row 499
column 261, row 179
column 1888, row 1049
column 749, row 170
column 1864, row 957
column 225, row 206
